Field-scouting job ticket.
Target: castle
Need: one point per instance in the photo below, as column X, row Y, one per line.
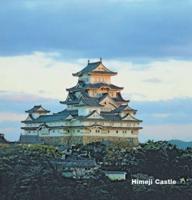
column 95, row 111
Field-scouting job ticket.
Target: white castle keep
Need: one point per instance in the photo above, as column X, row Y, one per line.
column 95, row 111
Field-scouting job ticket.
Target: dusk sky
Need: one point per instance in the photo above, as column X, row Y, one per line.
column 148, row 42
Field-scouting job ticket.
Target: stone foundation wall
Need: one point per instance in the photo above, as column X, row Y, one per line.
column 59, row 140
column 88, row 139
column 73, row 140
column 118, row 140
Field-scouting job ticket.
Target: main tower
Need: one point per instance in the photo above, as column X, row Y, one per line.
column 102, row 111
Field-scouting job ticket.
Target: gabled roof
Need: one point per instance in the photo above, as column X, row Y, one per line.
column 120, row 98
column 71, row 99
column 37, row 109
column 69, row 117
column 116, row 116
column 89, row 101
column 60, row 116
column 50, row 118
column 30, row 117
column 110, row 116
column 84, row 99
column 94, row 115
column 131, row 118
column 122, row 108
column 91, row 67
column 43, row 125
column 71, row 112
column 105, row 97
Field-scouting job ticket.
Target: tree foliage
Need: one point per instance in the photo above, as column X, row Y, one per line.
column 27, row 173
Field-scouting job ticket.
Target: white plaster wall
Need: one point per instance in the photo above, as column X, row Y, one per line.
column 83, row 111
column 35, row 115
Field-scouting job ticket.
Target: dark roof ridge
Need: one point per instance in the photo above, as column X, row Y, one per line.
column 90, row 67
column 132, row 117
column 35, row 108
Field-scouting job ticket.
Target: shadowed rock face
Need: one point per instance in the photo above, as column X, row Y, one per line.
column 2, row 139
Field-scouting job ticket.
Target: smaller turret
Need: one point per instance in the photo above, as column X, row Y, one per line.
column 37, row 111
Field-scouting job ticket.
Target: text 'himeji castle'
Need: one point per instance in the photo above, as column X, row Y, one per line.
column 95, row 111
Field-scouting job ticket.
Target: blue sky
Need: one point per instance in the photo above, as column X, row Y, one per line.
column 148, row 42
column 111, row 28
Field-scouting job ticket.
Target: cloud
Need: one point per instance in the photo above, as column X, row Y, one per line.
column 22, row 97
column 152, row 80
column 11, row 129
column 6, row 116
column 173, row 79
column 47, row 75
column 174, row 111
column 35, row 73
column 18, row 102
column 166, row 132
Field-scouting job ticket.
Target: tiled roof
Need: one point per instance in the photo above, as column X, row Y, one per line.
column 110, row 116
column 90, row 67
column 132, row 118
column 122, row 108
column 99, row 85
column 116, row 117
column 90, row 101
column 35, row 109
column 85, row 98
column 120, row 98
column 60, row 116
column 71, row 112
column 51, row 118
column 93, row 85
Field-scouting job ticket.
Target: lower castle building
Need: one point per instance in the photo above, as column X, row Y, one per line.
column 95, row 111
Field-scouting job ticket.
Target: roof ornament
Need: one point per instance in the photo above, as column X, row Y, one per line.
column 88, row 61
column 101, row 59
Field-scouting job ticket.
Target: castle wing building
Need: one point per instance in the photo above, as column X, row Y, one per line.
column 95, row 111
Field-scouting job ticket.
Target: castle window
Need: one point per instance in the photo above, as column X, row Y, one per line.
column 68, row 131
column 116, row 131
column 108, row 131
